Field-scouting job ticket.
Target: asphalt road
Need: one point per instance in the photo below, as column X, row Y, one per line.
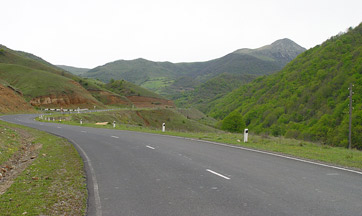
column 131, row 173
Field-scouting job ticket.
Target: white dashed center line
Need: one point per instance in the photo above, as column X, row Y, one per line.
column 218, row 174
column 150, row 147
column 115, row 137
column 84, row 131
column 58, row 127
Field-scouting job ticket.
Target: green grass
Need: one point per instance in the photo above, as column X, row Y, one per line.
column 150, row 118
column 157, row 84
column 34, row 83
column 9, row 143
column 301, row 149
column 125, row 88
column 54, row 184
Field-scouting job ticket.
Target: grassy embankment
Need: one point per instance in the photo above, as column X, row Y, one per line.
column 51, row 179
column 28, row 82
column 184, row 128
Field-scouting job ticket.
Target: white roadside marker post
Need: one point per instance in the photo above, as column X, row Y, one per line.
column 114, row 124
column 81, row 121
column 163, row 127
column 246, row 131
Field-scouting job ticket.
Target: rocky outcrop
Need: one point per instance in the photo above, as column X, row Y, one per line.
column 64, row 100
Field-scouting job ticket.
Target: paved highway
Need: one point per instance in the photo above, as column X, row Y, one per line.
column 131, row 173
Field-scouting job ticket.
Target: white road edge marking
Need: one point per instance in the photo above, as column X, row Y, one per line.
column 283, row 156
column 259, row 151
column 268, row 153
column 94, row 180
column 218, row 174
column 150, row 147
column 115, row 137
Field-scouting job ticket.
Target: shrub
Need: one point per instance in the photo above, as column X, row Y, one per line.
column 233, row 122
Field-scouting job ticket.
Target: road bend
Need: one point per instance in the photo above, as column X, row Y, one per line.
column 133, row 173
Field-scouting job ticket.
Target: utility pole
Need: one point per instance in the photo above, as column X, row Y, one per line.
column 350, row 116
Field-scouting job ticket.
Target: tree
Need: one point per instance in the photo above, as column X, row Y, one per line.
column 233, row 122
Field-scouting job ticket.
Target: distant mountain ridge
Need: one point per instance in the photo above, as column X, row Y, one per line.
column 160, row 76
column 74, row 70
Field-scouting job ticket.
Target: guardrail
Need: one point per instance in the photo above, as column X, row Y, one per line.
column 76, row 110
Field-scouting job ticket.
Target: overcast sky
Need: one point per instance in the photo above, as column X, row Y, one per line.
column 86, row 33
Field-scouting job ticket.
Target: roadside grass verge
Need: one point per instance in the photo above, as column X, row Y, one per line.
column 296, row 148
column 52, row 183
column 9, row 143
column 148, row 118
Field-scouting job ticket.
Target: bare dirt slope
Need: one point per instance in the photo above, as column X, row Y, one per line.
column 11, row 101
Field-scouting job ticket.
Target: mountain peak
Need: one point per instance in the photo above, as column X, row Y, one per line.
column 285, row 44
column 283, row 50
column 285, row 41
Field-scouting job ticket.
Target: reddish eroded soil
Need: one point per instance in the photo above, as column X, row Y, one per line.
column 59, row 100
column 64, row 100
column 77, row 98
column 147, row 123
column 149, row 102
column 11, row 101
column 19, row 161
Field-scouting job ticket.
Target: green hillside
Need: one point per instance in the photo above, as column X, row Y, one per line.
column 36, row 83
column 308, row 99
column 160, row 77
column 125, row 88
column 119, row 89
column 212, row 89
column 138, row 71
column 45, row 85
column 29, row 60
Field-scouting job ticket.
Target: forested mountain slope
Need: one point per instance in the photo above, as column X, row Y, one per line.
column 308, row 99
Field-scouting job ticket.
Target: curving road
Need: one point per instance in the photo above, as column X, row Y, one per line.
column 131, row 173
